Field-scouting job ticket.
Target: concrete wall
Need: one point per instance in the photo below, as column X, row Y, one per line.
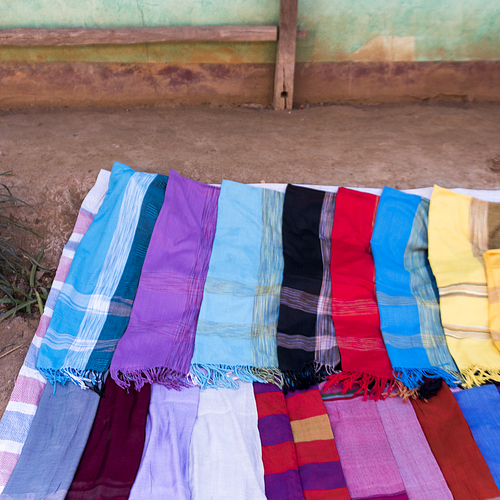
column 419, row 43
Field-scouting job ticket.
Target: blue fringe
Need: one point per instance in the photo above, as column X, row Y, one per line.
column 413, row 378
column 86, row 379
column 215, row 376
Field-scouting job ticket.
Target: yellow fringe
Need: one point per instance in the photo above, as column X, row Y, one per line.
column 476, row 375
column 404, row 392
column 269, row 375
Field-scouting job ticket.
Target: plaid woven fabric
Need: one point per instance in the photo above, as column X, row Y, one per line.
column 18, row 416
column 307, row 345
column 281, row 474
column 320, row 469
column 407, row 292
column 159, row 341
column 95, row 301
column 236, row 332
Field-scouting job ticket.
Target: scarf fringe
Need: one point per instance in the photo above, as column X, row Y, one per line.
column 413, row 378
column 311, row 374
column 476, row 375
column 376, row 387
column 215, row 376
column 85, row 379
column 171, row 379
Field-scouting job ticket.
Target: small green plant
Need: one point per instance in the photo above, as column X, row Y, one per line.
column 23, row 281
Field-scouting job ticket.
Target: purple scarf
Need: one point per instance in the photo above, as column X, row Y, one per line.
column 159, row 341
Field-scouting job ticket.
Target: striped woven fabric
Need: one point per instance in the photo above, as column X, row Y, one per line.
column 236, row 330
column 461, row 229
column 355, row 313
column 492, row 265
column 94, row 305
column 159, row 341
column 281, row 474
column 23, row 403
column 307, row 346
column 407, row 294
column 320, row 470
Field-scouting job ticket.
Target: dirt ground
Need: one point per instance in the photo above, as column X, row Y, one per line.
column 55, row 156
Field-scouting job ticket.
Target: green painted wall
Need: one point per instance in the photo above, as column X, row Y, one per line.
column 338, row 30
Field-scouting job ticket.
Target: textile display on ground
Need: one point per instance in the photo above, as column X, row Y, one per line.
column 307, row 347
column 159, row 341
column 23, row 403
column 407, row 293
column 94, row 304
column 236, row 331
column 354, row 304
column 460, row 231
column 233, row 439
column 281, row 473
column 110, row 461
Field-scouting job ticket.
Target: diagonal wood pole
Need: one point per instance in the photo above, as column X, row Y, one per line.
column 285, row 58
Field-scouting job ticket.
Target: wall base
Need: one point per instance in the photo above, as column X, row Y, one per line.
column 115, row 84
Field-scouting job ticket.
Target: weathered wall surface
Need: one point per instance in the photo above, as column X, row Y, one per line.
column 384, row 36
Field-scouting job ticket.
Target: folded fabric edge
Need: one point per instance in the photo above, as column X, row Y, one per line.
column 209, row 376
column 311, row 374
column 370, row 385
column 85, row 379
column 169, row 378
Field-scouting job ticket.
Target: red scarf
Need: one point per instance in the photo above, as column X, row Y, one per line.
column 355, row 313
column 450, row 439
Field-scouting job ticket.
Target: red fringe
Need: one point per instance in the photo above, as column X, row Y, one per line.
column 381, row 388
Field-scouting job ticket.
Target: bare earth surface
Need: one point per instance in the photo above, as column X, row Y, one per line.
column 55, row 156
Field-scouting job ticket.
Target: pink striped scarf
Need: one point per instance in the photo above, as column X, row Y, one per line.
column 16, row 420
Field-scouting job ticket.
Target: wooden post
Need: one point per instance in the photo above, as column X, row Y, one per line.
column 285, row 58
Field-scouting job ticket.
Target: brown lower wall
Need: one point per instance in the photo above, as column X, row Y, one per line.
column 115, row 84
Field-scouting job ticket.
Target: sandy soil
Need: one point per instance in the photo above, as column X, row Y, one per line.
column 55, row 156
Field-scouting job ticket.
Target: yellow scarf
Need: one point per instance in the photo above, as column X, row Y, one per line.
column 459, row 233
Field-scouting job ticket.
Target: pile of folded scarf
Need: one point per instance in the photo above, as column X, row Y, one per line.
column 280, row 342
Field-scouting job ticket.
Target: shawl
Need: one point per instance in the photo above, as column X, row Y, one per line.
column 159, row 341
column 407, row 293
column 94, row 305
column 54, row 445
column 454, row 448
column 225, row 459
column 355, row 313
column 421, row 475
column 320, row 469
column 113, row 453
column 481, row 407
column 164, row 470
column 307, row 347
column 369, row 466
column 18, row 415
column 236, row 330
column 281, row 473
column 492, row 265
column 461, row 229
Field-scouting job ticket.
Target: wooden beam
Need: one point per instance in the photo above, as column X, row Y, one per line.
column 130, row 35
column 285, row 58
